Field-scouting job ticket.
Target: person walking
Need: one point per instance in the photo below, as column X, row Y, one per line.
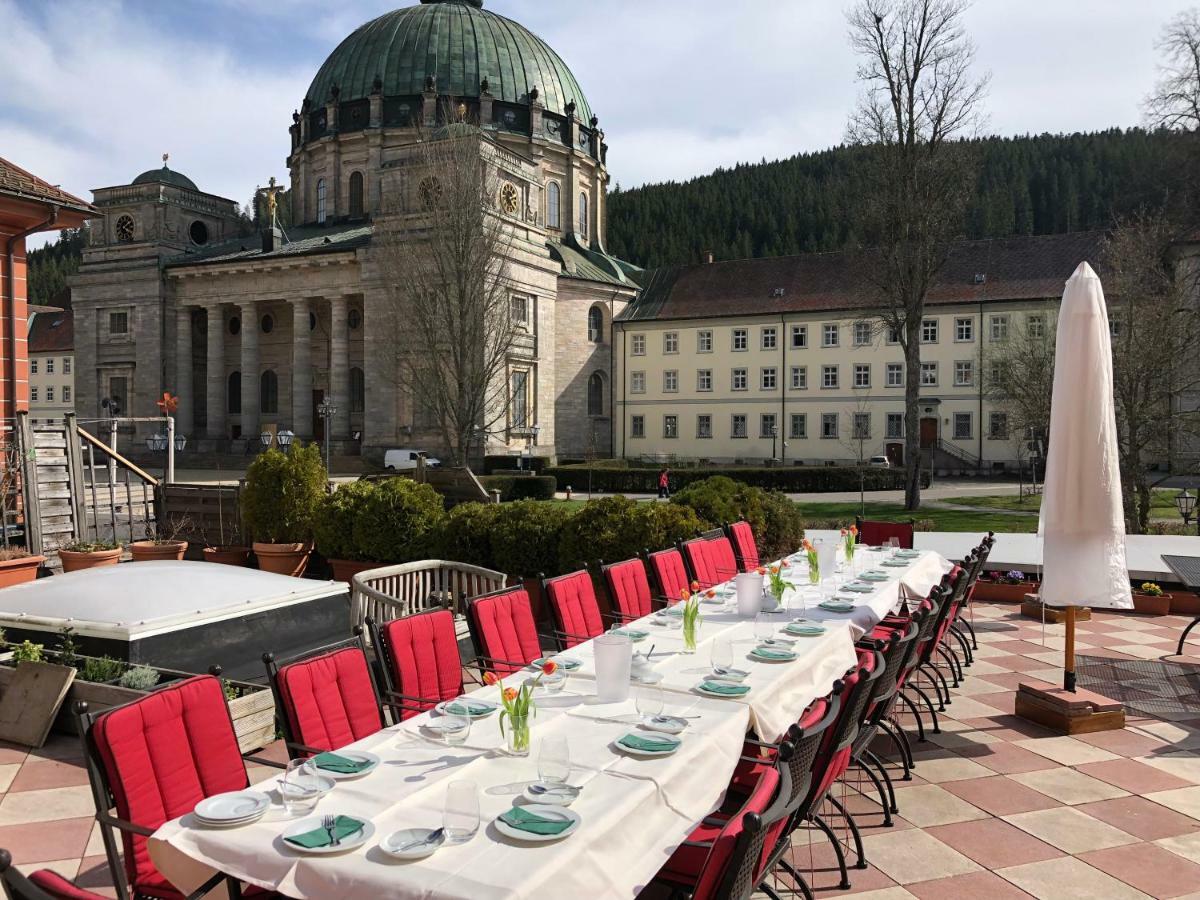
column 664, row 484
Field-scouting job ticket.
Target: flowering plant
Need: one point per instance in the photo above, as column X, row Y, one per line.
column 1013, row 576
column 814, row 566
column 776, row 584
column 691, row 619
column 519, row 706
column 1150, row 589
column 849, row 537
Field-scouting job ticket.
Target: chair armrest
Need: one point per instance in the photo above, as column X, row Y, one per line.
column 253, row 757
column 124, row 825
column 490, row 662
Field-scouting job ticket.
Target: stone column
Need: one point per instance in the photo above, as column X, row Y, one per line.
column 339, row 367
column 216, row 427
column 302, row 422
column 250, row 370
column 183, row 370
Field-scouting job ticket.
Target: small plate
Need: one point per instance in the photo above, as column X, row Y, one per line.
column 703, row 688
column 567, row 662
column 808, row 629
column 633, row 751
column 492, row 707
column 733, row 676
column 356, row 756
column 646, row 677
column 439, row 725
column 837, row 606
column 554, row 795
column 232, row 808
column 546, row 811
column 665, row 724
column 312, row 823
column 405, row 836
column 755, row 654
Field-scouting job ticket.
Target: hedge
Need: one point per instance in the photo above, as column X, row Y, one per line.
column 398, row 521
column 497, row 464
column 617, row 528
column 520, row 487
column 807, row 479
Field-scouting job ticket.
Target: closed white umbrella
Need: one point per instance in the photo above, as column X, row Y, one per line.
column 1082, row 523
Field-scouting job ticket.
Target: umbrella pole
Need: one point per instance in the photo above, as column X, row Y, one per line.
column 1069, row 663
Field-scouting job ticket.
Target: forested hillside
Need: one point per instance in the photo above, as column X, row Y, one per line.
column 1027, row 185
column 50, row 266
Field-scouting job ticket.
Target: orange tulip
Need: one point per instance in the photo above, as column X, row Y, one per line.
column 490, row 678
column 510, row 694
column 854, row 529
column 684, row 594
column 695, row 586
column 774, row 570
column 549, row 667
column 710, row 593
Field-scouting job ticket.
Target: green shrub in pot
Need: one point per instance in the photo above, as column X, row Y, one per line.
column 139, row 678
column 281, row 494
column 398, row 521
column 333, row 524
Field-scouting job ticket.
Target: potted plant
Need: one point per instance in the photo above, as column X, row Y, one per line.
column 279, row 503
column 229, row 553
column 1150, row 598
column 79, row 555
column 18, row 565
column 1004, row 587
column 333, row 529
column 166, row 546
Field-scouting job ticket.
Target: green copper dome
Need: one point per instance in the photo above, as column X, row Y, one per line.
column 459, row 43
column 166, row 176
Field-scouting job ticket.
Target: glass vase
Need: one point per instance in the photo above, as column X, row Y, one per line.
column 516, row 733
column 689, row 635
column 814, row 572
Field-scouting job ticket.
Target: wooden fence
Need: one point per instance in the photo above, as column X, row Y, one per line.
column 205, row 514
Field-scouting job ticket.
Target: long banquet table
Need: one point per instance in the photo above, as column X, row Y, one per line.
column 635, row 811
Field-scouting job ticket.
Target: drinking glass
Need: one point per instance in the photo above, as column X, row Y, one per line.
column 460, row 817
column 300, row 787
column 456, row 729
column 722, row 653
column 554, row 760
column 893, row 546
column 649, row 701
column 764, row 627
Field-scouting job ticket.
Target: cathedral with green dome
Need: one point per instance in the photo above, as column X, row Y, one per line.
column 253, row 331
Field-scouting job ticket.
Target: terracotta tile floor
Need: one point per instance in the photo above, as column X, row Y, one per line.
column 997, row 807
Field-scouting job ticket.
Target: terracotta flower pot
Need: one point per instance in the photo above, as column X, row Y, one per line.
column 346, row 569
column 76, row 560
column 20, row 570
column 998, row 592
column 148, row 551
column 229, row 556
column 282, row 559
column 1152, row 605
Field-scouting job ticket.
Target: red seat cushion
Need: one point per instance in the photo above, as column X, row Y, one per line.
column 329, row 699
column 699, row 557
column 724, row 562
column 161, row 755
column 876, row 533
column 424, row 659
column 573, row 600
column 629, row 588
column 670, row 574
column 59, row 888
column 505, row 630
column 746, row 546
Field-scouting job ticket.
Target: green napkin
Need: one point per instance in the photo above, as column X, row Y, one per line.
column 726, row 688
column 837, row 606
column 772, row 653
column 524, row 820
column 650, row 745
column 874, row 576
column 343, row 827
column 896, row 563
column 859, row 588
column 908, row 554
column 632, row 633
column 468, row 707
column 331, row 762
column 804, row 630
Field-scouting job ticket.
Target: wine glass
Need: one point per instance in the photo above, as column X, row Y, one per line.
column 460, row 816
column 722, row 654
column 554, row 760
column 300, row 787
column 649, row 702
column 893, row 546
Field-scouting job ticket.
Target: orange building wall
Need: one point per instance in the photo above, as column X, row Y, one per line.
column 13, row 398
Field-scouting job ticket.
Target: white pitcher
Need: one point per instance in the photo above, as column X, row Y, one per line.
column 827, row 558
column 749, row 593
column 614, row 660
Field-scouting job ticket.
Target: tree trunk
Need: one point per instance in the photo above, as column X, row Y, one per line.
column 912, row 418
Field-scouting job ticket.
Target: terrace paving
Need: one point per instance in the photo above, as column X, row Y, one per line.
column 997, row 807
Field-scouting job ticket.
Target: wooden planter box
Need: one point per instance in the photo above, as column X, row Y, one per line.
column 996, row 592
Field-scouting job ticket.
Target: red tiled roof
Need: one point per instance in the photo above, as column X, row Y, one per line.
column 16, row 182
column 52, row 332
column 1023, row 268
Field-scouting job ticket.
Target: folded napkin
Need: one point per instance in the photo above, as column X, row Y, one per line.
column 523, row 820
column 725, row 687
column 468, row 708
column 837, row 606
column 343, row 827
column 896, row 563
column 772, row 653
column 908, row 554
column 632, row 633
column 858, row 588
column 806, row 630
column 648, row 744
column 874, row 576
column 331, row 762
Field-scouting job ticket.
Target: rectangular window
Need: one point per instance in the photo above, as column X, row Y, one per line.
column 799, row 429
column 704, row 379
column 519, row 311
column 799, row 337
column 66, row 395
column 520, row 399
column 33, row 395
column 670, row 381
column 962, row 426
column 670, row 342
column 738, row 382
column 799, row 378
column 929, row 331
column 670, row 426
column 49, row 365
column 637, row 426
column 862, row 426
column 637, row 345
column 737, row 426
column 895, row 425
column 893, row 336
column 964, row 373
column 862, row 375
column 118, row 323
column 995, row 375
column 766, row 425
column 1114, row 327
column 895, row 375
column 768, row 338
column 929, row 374
column 703, row 426
column 862, row 334
column 66, row 365
column 998, row 426
column 999, row 328
column 50, row 394
column 740, row 339
column 637, row 382
column 767, row 380
column 964, row 329
column 33, row 367
column 1036, row 326
column 829, row 376
column 829, row 428
column 704, row 343
column 829, row 336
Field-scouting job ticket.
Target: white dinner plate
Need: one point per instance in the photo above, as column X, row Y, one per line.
column 439, row 726
column 391, row 844
column 553, row 795
column 633, row 751
column 806, row 629
column 350, row 842
column 837, row 606
column 734, row 676
column 232, row 808
column 491, row 707
column 702, row 688
column 755, row 654
column 665, row 724
column 650, row 677
column 546, row 812
column 355, row 756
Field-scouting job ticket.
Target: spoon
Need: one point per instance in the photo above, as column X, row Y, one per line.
column 557, row 789
column 432, row 837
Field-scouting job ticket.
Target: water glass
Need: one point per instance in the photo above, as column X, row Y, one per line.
column 722, row 653
column 893, row 546
column 764, row 627
column 649, row 701
column 456, row 729
column 554, row 760
column 460, row 817
column 300, row 787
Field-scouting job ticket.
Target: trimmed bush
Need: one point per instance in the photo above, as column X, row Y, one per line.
column 777, row 521
column 281, row 494
column 520, row 487
column 493, row 465
column 671, row 523
column 611, row 477
column 465, row 534
column 782, row 527
column 612, row 528
column 526, row 537
column 333, row 526
column 398, row 521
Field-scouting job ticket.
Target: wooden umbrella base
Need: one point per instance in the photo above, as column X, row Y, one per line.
column 1081, row 712
column 1033, row 609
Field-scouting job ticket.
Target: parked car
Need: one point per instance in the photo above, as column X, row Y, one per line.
column 404, row 459
column 879, row 462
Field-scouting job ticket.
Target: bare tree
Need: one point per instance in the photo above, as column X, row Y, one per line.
column 444, row 252
column 1175, row 101
column 920, row 98
column 1020, row 376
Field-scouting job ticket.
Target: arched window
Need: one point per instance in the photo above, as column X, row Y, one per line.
column 233, row 402
column 553, row 207
column 268, row 393
column 595, row 397
column 358, row 390
column 583, row 214
column 320, row 201
column 595, row 325
column 356, row 195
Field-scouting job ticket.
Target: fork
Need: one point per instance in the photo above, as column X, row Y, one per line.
column 327, row 822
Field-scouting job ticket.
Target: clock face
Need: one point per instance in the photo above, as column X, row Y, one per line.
column 509, row 198
column 125, row 228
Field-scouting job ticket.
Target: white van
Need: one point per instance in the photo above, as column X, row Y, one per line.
column 404, row 459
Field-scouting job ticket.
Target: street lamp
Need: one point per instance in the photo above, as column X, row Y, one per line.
column 774, row 435
column 1186, row 504
column 285, row 439
column 266, row 437
column 530, row 442
column 327, row 411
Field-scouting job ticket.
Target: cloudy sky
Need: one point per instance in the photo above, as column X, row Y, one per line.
column 96, row 90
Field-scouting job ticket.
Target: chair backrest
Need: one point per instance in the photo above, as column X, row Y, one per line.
column 503, row 630
column 420, row 659
column 670, row 573
column 629, row 588
column 744, row 545
column 573, row 602
column 875, row 533
column 155, row 758
column 731, row 870
column 698, row 553
column 834, row 753
column 327, row 699
column 806, row 738
column 43, row 884
column 724, row 561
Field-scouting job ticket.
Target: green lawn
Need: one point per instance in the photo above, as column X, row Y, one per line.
column 943, row 519
column 1162, row 503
